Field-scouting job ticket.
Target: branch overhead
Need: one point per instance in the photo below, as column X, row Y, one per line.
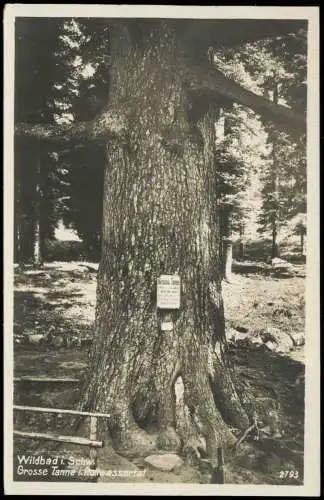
column 210, row 84
column 107, row 125
column 213, row 84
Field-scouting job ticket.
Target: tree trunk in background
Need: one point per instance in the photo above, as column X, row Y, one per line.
column 18, row 222
column 228, row 258
column 21, row 186
column 27, row 201
column 275, row 160
column 242, row 243
column 19, row 234
column 165, row 389
column 36, row 244
column 227, row 243
column 221, row 130
column 274, row 248
column 18, row 253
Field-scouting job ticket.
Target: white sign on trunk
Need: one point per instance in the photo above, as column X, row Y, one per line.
column 167, row 326
column 168, row 292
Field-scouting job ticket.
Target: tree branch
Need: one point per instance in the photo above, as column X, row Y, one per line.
column 213, row 83
column 107, row 125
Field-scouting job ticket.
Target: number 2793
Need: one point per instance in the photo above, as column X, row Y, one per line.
column 291, row 474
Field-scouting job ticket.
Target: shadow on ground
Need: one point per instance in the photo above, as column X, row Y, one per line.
column 45, row 300
column 267, row 270
column 265, row 374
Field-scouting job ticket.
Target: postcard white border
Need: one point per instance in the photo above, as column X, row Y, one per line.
column 311, row 485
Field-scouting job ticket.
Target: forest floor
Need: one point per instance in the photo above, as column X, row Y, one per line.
column 54, row 309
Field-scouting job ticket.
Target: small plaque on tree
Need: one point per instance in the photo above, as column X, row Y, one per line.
column 168, row 292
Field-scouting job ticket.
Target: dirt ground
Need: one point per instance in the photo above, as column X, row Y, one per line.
column 54, row 313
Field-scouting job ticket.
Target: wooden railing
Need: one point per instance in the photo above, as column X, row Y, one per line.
column 49, row 380
column 92, row 442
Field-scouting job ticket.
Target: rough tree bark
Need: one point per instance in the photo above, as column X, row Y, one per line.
column 166, row 389
column 158, row 218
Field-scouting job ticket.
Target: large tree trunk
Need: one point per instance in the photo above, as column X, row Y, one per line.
column 166, row 389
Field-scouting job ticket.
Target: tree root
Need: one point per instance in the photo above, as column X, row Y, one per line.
column 168, row 440
column 134, row 442
column 252, row 427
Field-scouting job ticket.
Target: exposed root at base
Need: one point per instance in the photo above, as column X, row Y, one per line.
column 169, row 440
column 134, row 442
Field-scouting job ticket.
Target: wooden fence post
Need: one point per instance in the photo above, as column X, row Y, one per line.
column 93, row 451
column 218, row 473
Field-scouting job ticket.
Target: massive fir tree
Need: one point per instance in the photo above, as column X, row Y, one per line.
column 167, row 389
